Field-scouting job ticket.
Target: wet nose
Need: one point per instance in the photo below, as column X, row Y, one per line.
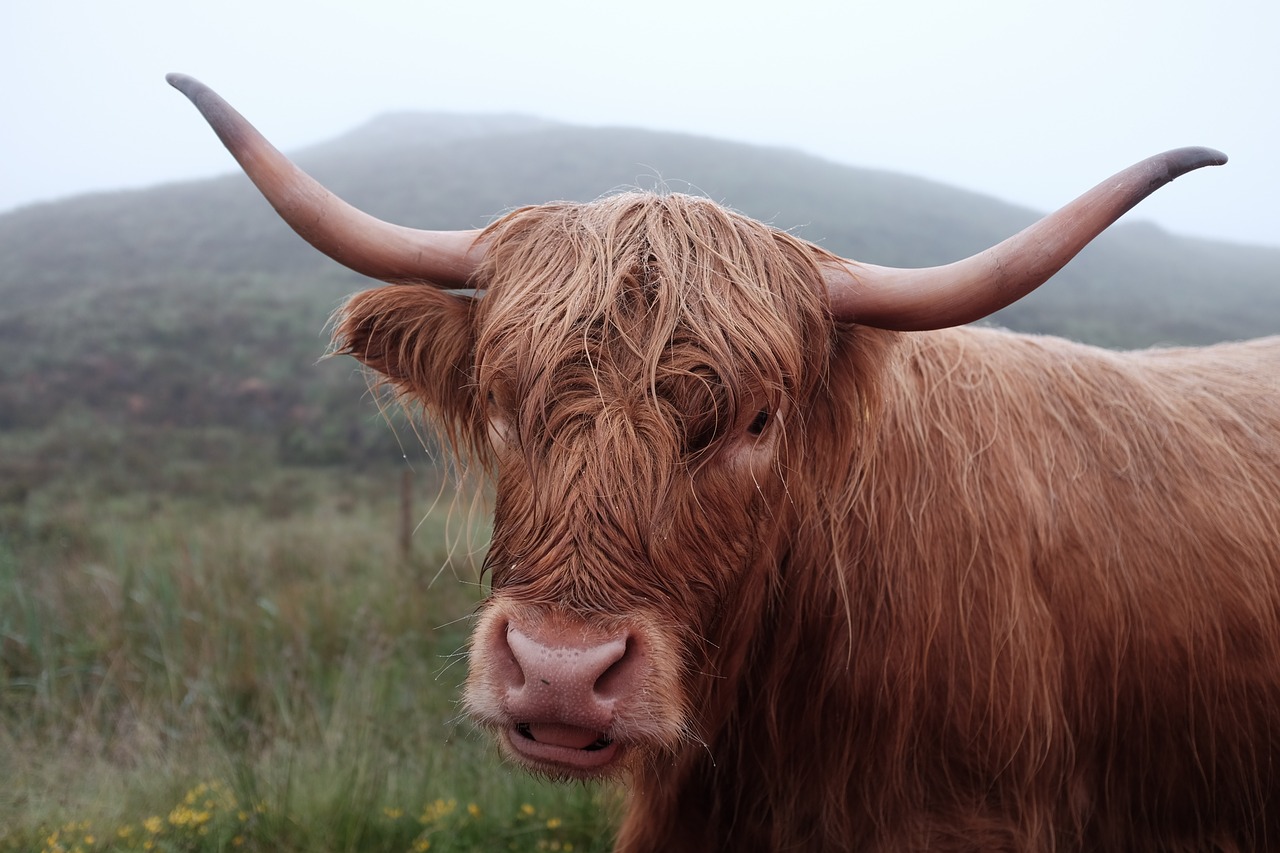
column 567, row 675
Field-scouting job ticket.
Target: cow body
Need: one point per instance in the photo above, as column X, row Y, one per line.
column 1060, row 629
column 968, row 590
column 809, row 569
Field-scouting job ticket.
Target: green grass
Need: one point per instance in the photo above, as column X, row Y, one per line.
column 263, row 673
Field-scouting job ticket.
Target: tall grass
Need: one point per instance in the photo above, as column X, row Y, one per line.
column 268, row 675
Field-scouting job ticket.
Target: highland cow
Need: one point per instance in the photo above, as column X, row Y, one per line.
column 808, row 564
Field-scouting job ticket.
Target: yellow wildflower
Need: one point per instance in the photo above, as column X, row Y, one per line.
column 153, row 825
column 394, row 814
column 527, row 809
column 553, row 823
column 434, row 811
column 473, row 810
column 187, row 816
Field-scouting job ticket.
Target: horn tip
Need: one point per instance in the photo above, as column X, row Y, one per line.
column 224, row 120
column 187, row 85
column 1188, row 159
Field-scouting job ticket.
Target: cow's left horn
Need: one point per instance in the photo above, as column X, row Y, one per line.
column 351, row 237
column 967, row 290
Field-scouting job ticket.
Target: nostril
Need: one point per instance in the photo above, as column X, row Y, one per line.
column 618, row 675
column 508, row 661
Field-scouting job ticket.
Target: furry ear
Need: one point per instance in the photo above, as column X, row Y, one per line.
column 418, row 337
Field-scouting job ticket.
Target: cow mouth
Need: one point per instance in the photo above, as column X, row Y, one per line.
column 563, row 748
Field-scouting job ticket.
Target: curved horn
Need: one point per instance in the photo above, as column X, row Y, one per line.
column 913, row 300
column 351, row 237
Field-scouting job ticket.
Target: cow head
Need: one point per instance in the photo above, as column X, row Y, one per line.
column 644, row 377
column 633, row 376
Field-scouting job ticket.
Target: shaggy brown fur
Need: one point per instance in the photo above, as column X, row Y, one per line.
column 959, row 590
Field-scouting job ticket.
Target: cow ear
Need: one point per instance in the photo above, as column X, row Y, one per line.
column 418, row 337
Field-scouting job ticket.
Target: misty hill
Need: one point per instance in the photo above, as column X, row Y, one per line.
column 190, row 307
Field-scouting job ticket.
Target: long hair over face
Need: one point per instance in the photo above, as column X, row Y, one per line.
column 698, row 309
column 627, row 346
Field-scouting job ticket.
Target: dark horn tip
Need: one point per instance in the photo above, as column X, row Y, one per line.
column 196, row 92
column 1187, row 159
column 184, row 84
column 224, row 120
column 205, row 99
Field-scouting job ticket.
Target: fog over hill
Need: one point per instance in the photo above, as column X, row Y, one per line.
column 191, row 306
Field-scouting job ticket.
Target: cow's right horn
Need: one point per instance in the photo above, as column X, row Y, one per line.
column 970, row 289
column 351, row 237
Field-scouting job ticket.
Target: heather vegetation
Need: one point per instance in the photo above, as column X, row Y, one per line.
column 210, row 636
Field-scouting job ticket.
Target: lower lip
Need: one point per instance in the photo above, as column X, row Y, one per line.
column 562, row 759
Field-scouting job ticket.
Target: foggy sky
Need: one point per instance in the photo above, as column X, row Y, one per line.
column 1029, row 102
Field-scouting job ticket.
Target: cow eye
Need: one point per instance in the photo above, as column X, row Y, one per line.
column 757, row 425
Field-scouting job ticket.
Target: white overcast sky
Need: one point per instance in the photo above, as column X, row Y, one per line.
column 1028, row 101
